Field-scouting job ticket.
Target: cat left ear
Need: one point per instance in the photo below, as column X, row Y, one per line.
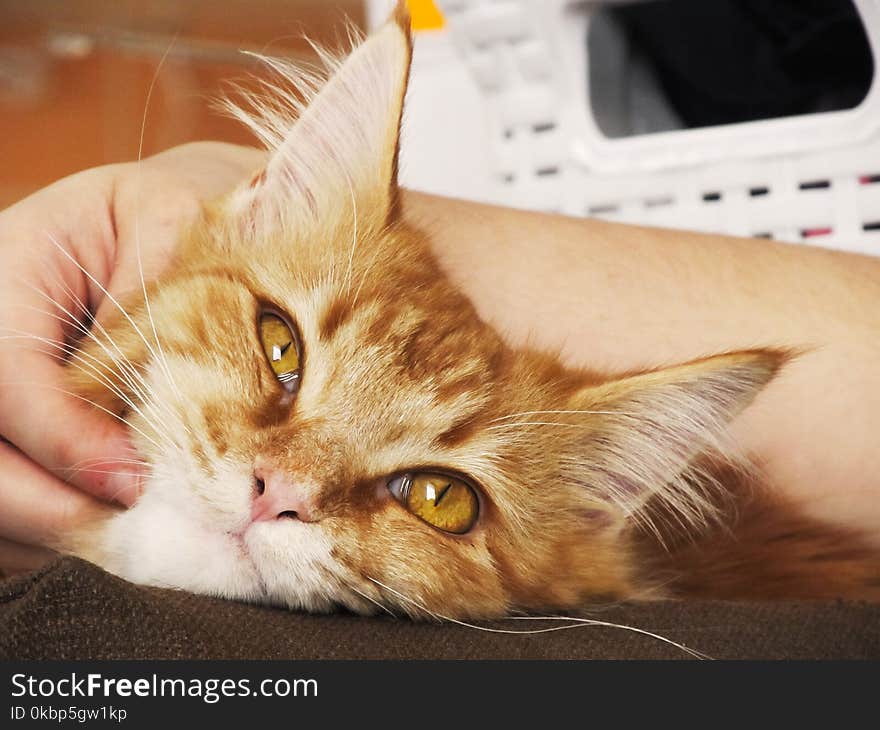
column 641, row 435
column 341, row 153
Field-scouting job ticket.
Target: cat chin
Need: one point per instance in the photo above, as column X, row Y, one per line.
column 159, row 544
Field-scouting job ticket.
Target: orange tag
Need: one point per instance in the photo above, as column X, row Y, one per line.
column 425, row 15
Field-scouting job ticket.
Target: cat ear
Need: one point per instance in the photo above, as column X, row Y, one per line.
column 644, row 432
column 340, row 156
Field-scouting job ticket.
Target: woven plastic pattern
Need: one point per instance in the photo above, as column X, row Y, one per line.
column 813, row 178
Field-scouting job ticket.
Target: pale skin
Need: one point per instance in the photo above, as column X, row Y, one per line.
column 606, row 296
column 618, row 298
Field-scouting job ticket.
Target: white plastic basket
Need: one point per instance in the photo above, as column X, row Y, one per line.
column 499, row 111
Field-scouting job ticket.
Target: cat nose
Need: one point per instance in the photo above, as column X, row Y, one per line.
column 277, row 496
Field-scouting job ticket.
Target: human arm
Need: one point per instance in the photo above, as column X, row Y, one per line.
column 618, row 297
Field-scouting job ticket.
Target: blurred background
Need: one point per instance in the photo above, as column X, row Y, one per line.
column 75, row 75
column 746, row 117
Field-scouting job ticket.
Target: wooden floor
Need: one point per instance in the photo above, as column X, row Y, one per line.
column 75, row 75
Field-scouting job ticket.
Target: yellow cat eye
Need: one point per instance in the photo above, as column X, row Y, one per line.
column 445, row 502
column 281, row 348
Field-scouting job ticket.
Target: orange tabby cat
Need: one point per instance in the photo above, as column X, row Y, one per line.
column 328, row 422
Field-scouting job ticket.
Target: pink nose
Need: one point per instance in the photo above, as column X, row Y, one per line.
column 276, row 496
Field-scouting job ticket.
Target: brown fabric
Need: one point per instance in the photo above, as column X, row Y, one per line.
column 73, row 610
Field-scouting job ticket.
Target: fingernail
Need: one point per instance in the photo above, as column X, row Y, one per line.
column 125, row 486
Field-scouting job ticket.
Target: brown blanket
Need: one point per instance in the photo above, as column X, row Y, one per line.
column 73, row 610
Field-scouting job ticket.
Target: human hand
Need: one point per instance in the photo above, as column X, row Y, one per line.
column 66, row 252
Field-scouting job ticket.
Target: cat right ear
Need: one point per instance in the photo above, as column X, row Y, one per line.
column 338, row 159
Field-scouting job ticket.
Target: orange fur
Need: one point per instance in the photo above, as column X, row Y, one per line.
column 399, row 373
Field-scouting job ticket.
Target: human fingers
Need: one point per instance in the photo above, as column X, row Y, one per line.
column 53, row 256
column 55, row 427
column 36, row 508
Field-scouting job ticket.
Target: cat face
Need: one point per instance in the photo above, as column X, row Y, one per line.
column 328, row 422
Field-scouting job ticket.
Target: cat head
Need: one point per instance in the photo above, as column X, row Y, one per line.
column 328, row 422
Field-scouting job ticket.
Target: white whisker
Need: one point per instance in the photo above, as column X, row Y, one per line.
column 85, row 400
column 354, row 236
column 163, row 361
column 124, row 370
column 135, row 378
column 81, row 364
column 72, row 472
column 82, row 463
column 574, row 623
column 112, row 299
column 524, row 424
column 371, row 600
column 144, row 392
column 367, row 270
column 129, row 374
column 563, row 412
